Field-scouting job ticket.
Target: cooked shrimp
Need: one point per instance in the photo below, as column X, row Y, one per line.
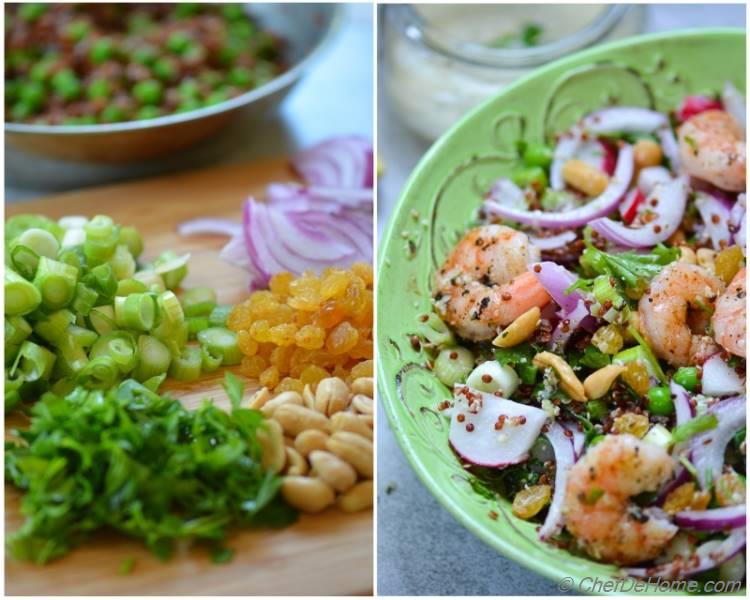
column 484, row 284
column 712, row 147
column 664, row 318
column 729, row 318
column 597, row 508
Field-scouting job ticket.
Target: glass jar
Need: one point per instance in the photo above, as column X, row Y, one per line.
column 441, row 60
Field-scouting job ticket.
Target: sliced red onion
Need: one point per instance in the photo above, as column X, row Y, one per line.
column 235, row 252
column 650, row 177
column 344, row 162
column 713, row 519
column 569, row 323
column 475, row 438
column 671, row 199
column 706, row 556
column 207, row 226
column 669, row 147
column 715, row 215
column 719, row 379
column 707, row 448
column 600, row 206
column 554, row 241
column 683, row 408
column 578, row 438
column 556, row 279
column 564, row 460
column 694, row 105
column 507, row 193
column 564, row 151
column 738, row 220
column 734, row 103
column 624, row 119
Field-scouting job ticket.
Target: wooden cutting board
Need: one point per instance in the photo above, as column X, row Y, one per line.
column 326, row 554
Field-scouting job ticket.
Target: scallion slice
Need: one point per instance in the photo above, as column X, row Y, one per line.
column 195, row 325
column 40, row 241
column 187, row 366
column 84, row 300
column 33, row 363
column 73, row 256
column 210, row 361
column 152, row 280
column 154, row 358
column 17, row 329
column 54, row 326
column 80, row 336
column 125, row 287
column 198, row 302
column 100, row 373
column 123, row 263
column 56, row 283
column 21, row 296
column 132, row 239
column 24, row 260
column 221, row 342
column 172, row 268
column 102, row 280
column 218, row 316
column 136, row 311
column 118, row 345
column 102, row 319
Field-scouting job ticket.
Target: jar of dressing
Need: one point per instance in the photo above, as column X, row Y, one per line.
column 441, row 60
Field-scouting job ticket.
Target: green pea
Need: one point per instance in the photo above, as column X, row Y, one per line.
column 186, row 9
column 241, row 77
column 21, row 111
column 164, row 69
column 148, row 112
column 87, row 120
column 102, row 50
column 145, row 55
column 77, row 30
column 228, row 54
column 31, row 11
column 660, row 401
column 537, row 155
column 189, row 88
column 42, row 70
column 189, row 104
column 241, row 30
column 112, row 114
column 210, row 78
column 33, row 94
column 233, row 12
column 99, row 88
column 148, row 91
column 598, row 409
column 140, row 23
column 217, row 97
column 687, row 377
column 178, row 42
column 534, row 177
column 12, row 87
column 67, row 85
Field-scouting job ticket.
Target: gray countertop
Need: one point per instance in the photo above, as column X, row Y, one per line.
column 422, row 550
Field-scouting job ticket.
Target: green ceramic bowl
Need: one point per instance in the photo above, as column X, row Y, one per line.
column 654, row 71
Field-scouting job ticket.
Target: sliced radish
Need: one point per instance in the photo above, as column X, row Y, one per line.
column 490, row 431
column 719, row 379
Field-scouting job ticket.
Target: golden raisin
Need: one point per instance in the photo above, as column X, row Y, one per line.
column 269, row 377
column 289, row 384
column 730, row 489
column 247, row 345
column 260, row 331
column 686, row 497
column 636, row 376
column 310, row 337
column 529, row 501
column 252, row 366
column 342, row 338
column 728, row 263
column 279, row 283
column 608, row 339
column 334, row 285
column 283, row 335
column 363, row 271
column 312, row 374
column 330, row 314
column 363, row 369
column 631, row 423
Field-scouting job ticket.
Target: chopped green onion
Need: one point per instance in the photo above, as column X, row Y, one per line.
column 73, row 237
column 56, row 283
column 693, row 427
column 198, row 302
column 154, row 358
column 33, row 362
column 187, row 366
column 197, row 324
column 73, row 357
column 132, row 239
column 170, row 308
column 99, row 251
column 102, row 319
column 41, row 241
column 210, row 361
column 125, row 287
column 73, row 256
column 102, row 280
column 172, row 268
column 136, row 311
column 84, row 300
column 432, row 328
column 218, row 316
column 24, row 260
column 21, row 296
column 151, row 280
column 17, row 329
column 123, row 263
column 99, row 228
column 12, row 391
column 604, row 291
column 100, row 373
column 221, row 342
column 81, row 336
column 54, row 327
column 120, row 346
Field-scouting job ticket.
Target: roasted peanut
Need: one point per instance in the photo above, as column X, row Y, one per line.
column 354, row 449
column 335, row 472
column 308, row 396
column 306, row 493
column 283, row 398
column 362, row 404
column 707, row 259
column 519, row 330
column 312, row 439
column 363, row 385
column 331, row 395
column 295, row 463
column 585, row 177
column 348, row 421
column 568, row 379
column 646, row 153
column 271, row 439
column 296, row 419
column 687, row 255
column 357, row 498
column 598, row 383
column 259, row 398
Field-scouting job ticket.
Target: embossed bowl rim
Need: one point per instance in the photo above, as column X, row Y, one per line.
column 493, row 537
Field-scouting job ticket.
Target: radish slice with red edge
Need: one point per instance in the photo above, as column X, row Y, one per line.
column 706, row 556
column 712, row 519
column 600, row 206
column 564, row 460
column 719, row 379
column 473, row 434
column 707, row 448
column 670, row 200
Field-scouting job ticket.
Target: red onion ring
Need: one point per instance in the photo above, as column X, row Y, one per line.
column 713, row 519
column 734, row 103
column 707, row 448
column 719, row 379
column 564, row 460
column 715, row 216
column 344, row 162
column 554, row 241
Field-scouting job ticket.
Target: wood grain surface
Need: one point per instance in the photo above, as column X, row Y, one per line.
column 326, row 554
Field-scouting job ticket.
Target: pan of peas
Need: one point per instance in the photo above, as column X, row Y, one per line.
column 129, row 82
